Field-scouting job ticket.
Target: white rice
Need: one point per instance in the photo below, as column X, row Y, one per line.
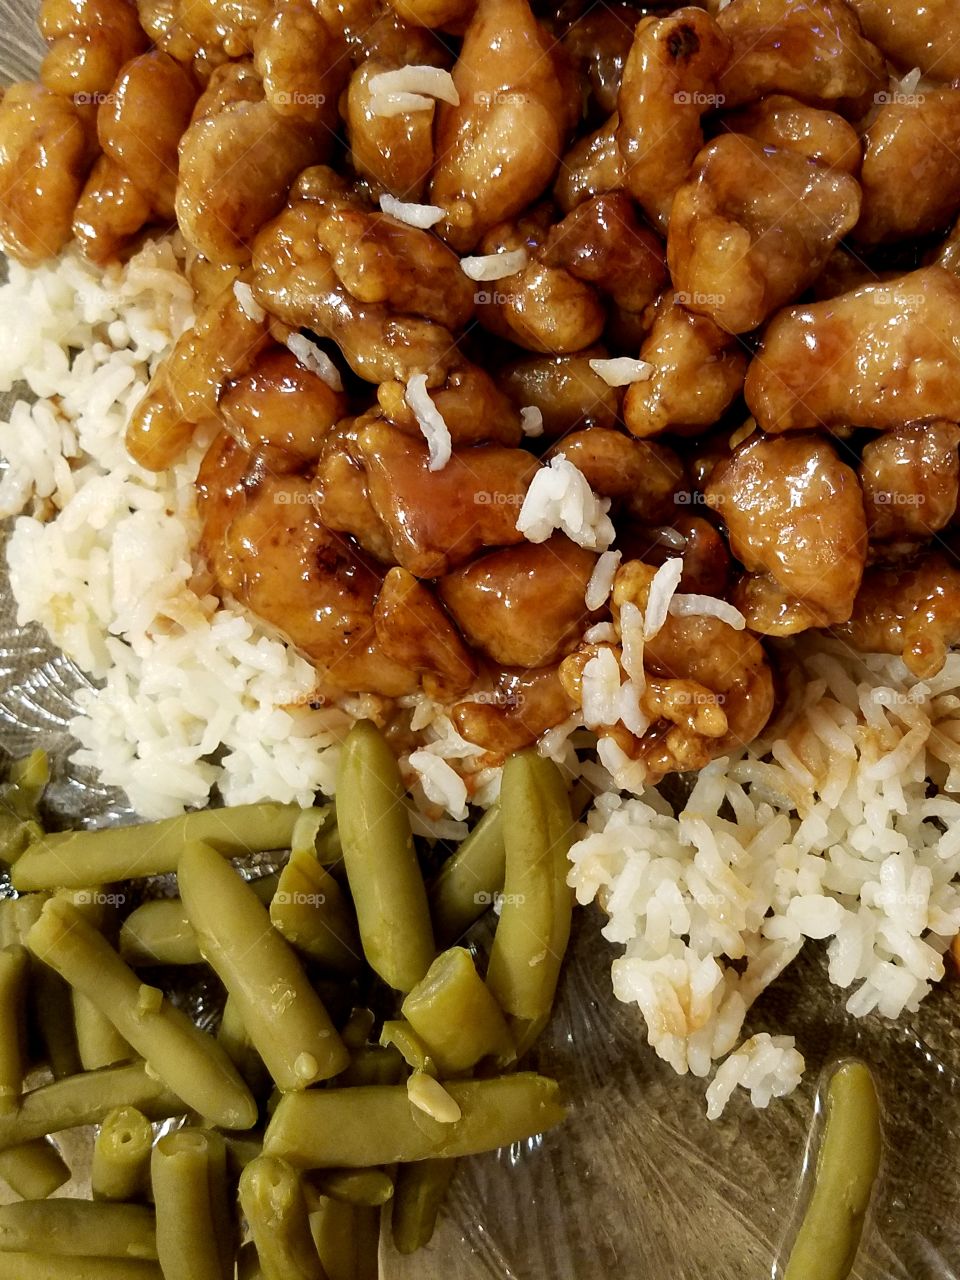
column 531, row 420
column 494, row 266
column 559, row 497
column 601, row 580
column 621, row 371
column 423, row 216
column 398, row 104
column 431, row 423
column 662, row 588
column 432, row 82
column 828, row 836
column 317, row 361
column 690, row 604
column 248, row 303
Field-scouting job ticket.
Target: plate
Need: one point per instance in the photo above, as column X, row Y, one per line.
column 638, row 1182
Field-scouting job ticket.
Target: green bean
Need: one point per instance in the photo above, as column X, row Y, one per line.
column 248, row 1264
column 381, row 862
column 534, row 925
column 847, row 1165
column 421, row 1190
column 455, row 1015
column 40, row 1266
column 121, row 1156
column 34, row 1170
column 241, row 1149
column 369, row 1187
column 401, row 1036
column 72, row 859
column 378, row 1125
column 14, row 966
column 19, row 826
column 233, row 1035
column 50, row 1008
column 469, row 881
column 272, row 1201
column 283, row 1015
column 188, row 1174
column 372, row 1064
column 347, row 1238
column 356, row 1030
column 79, row 1229
column 86, row 1099
column 191, row 1063
column 99, row 1043
column 158, row 932
column 309, row 909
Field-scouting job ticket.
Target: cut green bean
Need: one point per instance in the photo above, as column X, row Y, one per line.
column 369, row 1187
column 72, row 859
column 158, row 932
column 283, row 1015
column 310, row 910
column 19, row 825
column 276, row 1212
column 42, row 1266
column 399, row 1035
column 248, row 1264
column 121, row 1156
column 373, row 1064
column 78, row 1229
column 34, row 1170
column 421, row 1191
column 241, row 1149
column 50, row 1009
column 191, row 1063
column 381, row 862
column 469, row 881
column 99, row 1043
column 242, row 1052
column 14, row 967
column 347, row 1238
column 534, row 925
column 455, row 1015
column 84, row 1099
column 378, row 1125
column 847, row 1165
column 188, row 1174
column 356, row 1030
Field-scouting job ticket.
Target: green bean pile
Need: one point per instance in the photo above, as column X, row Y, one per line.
column 360, row 1051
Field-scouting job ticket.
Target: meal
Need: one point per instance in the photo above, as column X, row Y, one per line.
column 537, row 432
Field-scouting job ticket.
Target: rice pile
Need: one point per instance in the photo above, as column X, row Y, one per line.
column 186, row 694
column 826, row 831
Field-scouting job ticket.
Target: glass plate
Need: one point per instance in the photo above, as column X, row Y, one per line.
column 637, row 1182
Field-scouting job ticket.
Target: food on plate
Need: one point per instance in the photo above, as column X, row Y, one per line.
column 535, row 429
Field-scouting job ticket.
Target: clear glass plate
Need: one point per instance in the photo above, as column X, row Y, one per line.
column 638, row 1182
